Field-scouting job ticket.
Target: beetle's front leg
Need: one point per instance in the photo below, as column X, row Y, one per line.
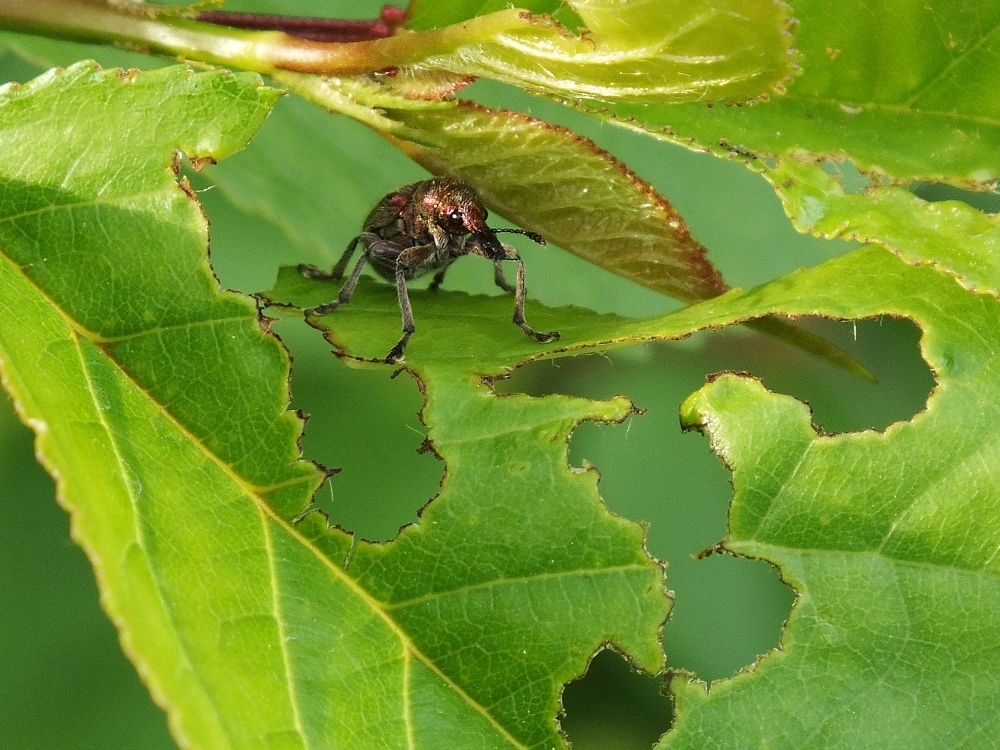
column 499, row 279
column 406, row 260
column 396, row 353
column 541, row 337
column 312, row 272
column 373, row 245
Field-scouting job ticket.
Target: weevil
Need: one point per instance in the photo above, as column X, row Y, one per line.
column 425, row 227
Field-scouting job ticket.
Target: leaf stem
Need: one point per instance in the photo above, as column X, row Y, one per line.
column 145, row 27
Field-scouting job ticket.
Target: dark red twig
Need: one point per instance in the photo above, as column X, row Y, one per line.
column 315, row 29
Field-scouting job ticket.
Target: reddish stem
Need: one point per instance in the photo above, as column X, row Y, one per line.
column 315, row 29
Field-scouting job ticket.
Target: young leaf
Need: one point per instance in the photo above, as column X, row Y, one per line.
column 669, row 51
column 550, row 180
column 160, row 407
column 731, row 50
column 908, row 89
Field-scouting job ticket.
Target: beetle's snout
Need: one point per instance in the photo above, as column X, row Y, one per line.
column 490, row 244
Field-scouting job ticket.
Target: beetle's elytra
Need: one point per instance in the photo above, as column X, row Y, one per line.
column 421, row 228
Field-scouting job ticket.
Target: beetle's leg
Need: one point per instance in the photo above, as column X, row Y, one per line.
column 313, row 272
column 345, row 292
column 396, row 353
column 367, row 239
column 519, row 294
column 499, row 279
column 410, row 257
column 438, row 279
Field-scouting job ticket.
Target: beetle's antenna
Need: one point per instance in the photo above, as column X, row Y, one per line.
column 531, row 235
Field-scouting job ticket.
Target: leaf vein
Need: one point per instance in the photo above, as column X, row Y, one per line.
column 517, row 581
column 293, row 698
column 139, row 536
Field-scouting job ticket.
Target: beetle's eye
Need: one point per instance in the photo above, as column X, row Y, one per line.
column 455, row 219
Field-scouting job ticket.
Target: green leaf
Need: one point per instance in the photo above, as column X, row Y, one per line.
column 158, row 402
column 903, row 87
column 890, row 544
column 889, row 539
column 159, row 405
column 669, row 51
column 949, row 234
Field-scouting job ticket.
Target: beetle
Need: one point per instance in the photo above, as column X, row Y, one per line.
column 424, row 227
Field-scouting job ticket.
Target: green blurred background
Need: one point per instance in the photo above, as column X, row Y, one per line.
column 64, row 682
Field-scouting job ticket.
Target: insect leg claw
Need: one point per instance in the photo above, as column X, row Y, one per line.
column 322, row 309
column 546, row 337
column 395, row 354
column 314, row 272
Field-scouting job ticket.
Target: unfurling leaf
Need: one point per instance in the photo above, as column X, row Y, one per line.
column 667, row 51
column 550, row 180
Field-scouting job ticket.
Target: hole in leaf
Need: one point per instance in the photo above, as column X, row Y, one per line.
column 733, row 612
column 727, row 611
column 613, row 707
column 987, row 201
column 246, row 250
column 840, row 402
column 365, row 423
column 360, row 421
column 851, row 179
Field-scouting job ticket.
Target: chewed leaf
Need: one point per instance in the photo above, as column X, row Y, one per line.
column 552, row 181
column 160, row 405
column 669, row 51
column 895, row 567
column 891, row 545
column 950, row 234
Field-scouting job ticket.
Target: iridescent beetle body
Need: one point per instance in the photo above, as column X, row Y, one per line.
column 421, row 228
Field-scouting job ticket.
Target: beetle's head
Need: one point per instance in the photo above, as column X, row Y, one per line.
column 455, row 207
